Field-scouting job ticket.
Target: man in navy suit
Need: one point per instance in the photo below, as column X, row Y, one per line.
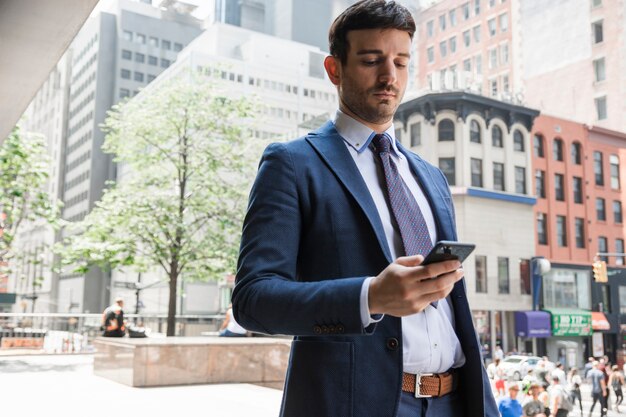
column 325, row 256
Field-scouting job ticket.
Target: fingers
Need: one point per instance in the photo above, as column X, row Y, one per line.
column 440, row 287
column 409, row 261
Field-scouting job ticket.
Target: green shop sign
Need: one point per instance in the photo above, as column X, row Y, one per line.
column 570, row 322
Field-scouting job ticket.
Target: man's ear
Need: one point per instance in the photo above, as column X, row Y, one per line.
column 333, row 69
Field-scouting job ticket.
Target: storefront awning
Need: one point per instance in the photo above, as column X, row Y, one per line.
column 7, row 298
column 532, row 324
column 599, row 321
column 570, row 322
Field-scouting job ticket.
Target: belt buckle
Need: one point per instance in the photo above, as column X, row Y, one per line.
column 418, row 384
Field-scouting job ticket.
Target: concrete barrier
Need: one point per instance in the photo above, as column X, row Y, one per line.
column 154, row 362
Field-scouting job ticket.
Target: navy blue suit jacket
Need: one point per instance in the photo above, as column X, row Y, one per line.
column 312, row 234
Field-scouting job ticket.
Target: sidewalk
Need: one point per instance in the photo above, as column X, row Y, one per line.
column 64, row 386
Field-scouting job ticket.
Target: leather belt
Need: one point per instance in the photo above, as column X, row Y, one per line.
column 429, row 385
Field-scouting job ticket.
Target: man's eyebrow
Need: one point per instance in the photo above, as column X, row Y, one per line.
column 379, row 52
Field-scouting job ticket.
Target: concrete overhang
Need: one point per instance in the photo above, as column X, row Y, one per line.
column 34, row 34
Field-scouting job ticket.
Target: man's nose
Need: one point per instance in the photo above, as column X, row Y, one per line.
column 388, row 74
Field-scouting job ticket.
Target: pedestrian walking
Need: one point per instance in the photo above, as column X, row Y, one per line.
column 575, row 381
column 598, row 389
column 510, row 406
column 560, row 405
column 616, row 381
column 532, row 406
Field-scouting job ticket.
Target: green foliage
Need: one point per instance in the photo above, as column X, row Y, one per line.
column 185, row 165
column 23, row 177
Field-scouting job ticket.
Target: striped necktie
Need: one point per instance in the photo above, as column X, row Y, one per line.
column 411, row 224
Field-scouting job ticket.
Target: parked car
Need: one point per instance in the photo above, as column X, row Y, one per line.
column 517, row 366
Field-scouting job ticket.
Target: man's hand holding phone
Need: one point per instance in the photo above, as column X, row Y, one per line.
column 407, row 286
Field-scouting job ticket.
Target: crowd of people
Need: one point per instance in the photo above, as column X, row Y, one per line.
column 548, row 391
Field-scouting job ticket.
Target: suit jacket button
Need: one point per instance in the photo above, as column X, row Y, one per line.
column 392, row 343
column 317, row 329
column 340, row 328
column 325, row 329
column 332, row 329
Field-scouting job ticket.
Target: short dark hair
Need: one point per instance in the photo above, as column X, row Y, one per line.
column 367, row 14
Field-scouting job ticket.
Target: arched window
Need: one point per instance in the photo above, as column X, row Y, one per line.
column 496, row 137
column 538, row 145
column 446, row 130
column 518, row 141
column 557, row 149
column 576, row 153
column 475, row 132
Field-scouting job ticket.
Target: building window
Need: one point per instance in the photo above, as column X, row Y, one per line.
column 598, row 168
column 576, row 153
column 481, row 274
column 559, row 187
column 494, row 87
column 140, row 38
column 416, row 134
column 167, row 45
column 538, row 145
column 465, row 10
column 503, row 275
column 599, row 69
column 518, row 141
column 496, row 137
column 622, row 299
column 614, row 161
column 442, row 22
column 430, row 28
column 124, row 92
column 153, row 60
column 504, row 22
column 153, row 41
column 124, row 73
column 476, row 7
column 431, row 54
column 466, row 38
column 452, row 17
column 127, row 54
column 467, row 65
column 127, row 35
column 542, row 235
column 601, row 209
column 139, row 76
column 491, row 26
column 475, row 135
column 619, row 248
column 477, row 172
column 561, row 231
column 165, row 63
column 520, row 180
column 453, row 45
column 443, row 48
column 178, row 47
column 476, row 31
column 617, row 211
column 603, row 247
column 498, row 176
column 447, row 166
column 478, row 64
column 141, row 58
column 597, row 32
column 557, row 150
column 446, row 130
column 524, row 275
column 540, row 184
column 577, row 185
column 596, row 3
column 151, row 77
column 579, row 225
column 504, row 54
column 601, row 110
column 493, row 58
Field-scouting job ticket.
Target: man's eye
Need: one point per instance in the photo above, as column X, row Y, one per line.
column 372, row 62
column 401, row 65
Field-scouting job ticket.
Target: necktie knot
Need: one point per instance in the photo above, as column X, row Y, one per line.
column 381, row 143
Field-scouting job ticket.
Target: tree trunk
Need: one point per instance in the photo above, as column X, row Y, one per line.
column 171, row 311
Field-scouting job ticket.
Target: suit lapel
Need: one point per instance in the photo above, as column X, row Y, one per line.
column 332, row 149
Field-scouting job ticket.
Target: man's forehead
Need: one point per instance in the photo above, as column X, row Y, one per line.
column 378, row 39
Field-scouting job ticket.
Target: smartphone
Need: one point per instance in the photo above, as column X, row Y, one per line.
column 445, row 250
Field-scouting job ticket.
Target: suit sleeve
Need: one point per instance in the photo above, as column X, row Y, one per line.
column 268, row 297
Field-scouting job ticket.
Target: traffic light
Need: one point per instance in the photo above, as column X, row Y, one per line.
column 599, row 272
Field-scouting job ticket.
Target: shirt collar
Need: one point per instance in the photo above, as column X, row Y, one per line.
column 359, row 136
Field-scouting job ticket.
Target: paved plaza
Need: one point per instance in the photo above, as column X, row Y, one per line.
column 65, row 386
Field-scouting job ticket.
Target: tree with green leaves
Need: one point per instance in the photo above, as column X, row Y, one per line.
column 185, row 164
column 23, row 197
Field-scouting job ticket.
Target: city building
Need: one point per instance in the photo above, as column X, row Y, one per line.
column 483, row 147
column 116, row 53
column 288, row 81
column 578, row 185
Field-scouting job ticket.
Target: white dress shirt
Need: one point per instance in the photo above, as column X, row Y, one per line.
column 429, row 341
